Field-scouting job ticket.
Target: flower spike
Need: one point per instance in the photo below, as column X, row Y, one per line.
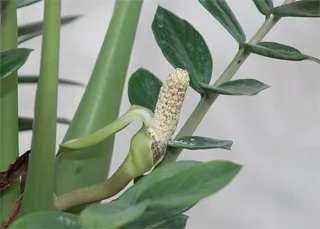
column 167, row 111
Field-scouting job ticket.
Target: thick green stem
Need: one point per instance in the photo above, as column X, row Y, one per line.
column 9, row 145
column 207, row 100
column 138, row 161
column 100, row 103
column 39, row 185
column 97, row 192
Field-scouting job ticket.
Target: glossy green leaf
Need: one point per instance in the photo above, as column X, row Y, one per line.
column 26, row 123
column 307, row 8
column 178, row 222
column 31, row 79
column 47, row 220
column 158, row 219
column 11, row 60
column 264, row 6
column 144, row 88
column 196, row 142
column 222, row 12
column 23, row 3
column 247, row 87
column 175, row 222
column 183, row 46
column 190, row 186
column 29, row 31
column 111, row 215
column 277, row 51
column 164, row 172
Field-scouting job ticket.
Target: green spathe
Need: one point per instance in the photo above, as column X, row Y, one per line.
column 134, row 113
column 138, row 161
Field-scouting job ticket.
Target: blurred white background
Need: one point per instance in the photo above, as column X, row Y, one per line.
column 275, row 134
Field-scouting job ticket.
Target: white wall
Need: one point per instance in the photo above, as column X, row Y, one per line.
column 275, row 134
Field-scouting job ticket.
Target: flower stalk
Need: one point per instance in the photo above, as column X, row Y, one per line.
column 39, row 183
column 138, row 161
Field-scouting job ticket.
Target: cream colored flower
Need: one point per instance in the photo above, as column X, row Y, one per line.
column 167, row 111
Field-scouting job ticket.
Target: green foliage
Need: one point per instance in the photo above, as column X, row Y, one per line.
column 32, row 79
column 222, row 12
column 183, row 46
column 177, row 222
column 306, row 8
column 11, row 60
column 156, row 219
column 264, row 6
column 276, row 51
column 173, row 187
column 24, row 3
column 32, row 30
column 162, row 173
column 9, row 141
column 248, row 87
column 196, row 142
column 182, row 188
column 144, row 88
column 43, row 146
column 189, row 186
column 100, row 103
column 47, row 220
column 111, row 215
column 158, row 199
column 27, row 123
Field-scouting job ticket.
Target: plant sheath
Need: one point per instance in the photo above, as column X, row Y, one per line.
column 100, row 103
column 9, row 144
column 38, row 195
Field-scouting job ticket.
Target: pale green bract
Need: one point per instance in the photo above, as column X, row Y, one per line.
column 134, row 113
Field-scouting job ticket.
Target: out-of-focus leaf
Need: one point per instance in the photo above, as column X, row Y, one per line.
column 183, row 46
column 23, row 3
column 144, row 88
column 15, row 170
column 157, row 219
column 222, row 12
column 110, row 215
column 248, row 87
column 196, row 142
column 306, row 8
column 26, row 123
column 30, row 79
column 177, row 222
column 277, row 51
column 47, row 220
column 264, row 6
column 29, row 31
column 11, row 60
